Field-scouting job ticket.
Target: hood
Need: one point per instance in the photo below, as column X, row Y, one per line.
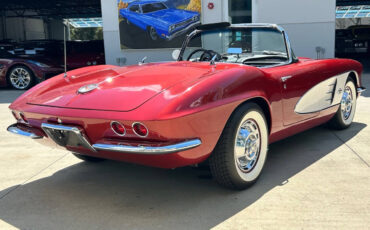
column 119, row 88
column 172, row 16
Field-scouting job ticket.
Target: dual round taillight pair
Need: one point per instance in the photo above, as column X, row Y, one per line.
column 138, row 128
column 20, row 117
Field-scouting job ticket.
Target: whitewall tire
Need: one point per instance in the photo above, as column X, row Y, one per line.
column 347, row 109
column 241, row 151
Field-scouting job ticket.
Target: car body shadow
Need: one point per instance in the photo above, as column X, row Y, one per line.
column 114, row 195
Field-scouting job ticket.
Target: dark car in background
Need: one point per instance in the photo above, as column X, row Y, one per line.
column 7, row 45
column 79, row 53
column 23, row 71
column 27, row 63
column 40, row 47
column 353, row 41
column 85, row 53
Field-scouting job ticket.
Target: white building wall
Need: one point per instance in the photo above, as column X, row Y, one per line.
column 218, row 14
column 309, row 24
column 113, row 53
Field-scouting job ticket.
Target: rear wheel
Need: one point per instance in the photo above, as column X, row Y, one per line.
column 88, row 158
column 346, row 111
column 241, row 151
column 20, row 77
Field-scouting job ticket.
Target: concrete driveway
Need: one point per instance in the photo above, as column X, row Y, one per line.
column 319, row 179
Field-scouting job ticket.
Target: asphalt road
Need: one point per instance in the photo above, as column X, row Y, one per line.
column 319, row 179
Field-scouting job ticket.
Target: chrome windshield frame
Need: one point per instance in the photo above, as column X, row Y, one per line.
column 246, row 26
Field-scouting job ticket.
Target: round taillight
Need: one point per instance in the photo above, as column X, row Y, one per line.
column 15, row 115
column 140, row 129
column 118, row 128
column 23, row 117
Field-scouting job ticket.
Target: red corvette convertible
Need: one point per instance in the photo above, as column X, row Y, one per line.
column 223, row 101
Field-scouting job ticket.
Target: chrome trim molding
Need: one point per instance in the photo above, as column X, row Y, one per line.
column 149, row 149
column 60, row 127
column 46, row 127
column 284, row 79
column 15, row 130
column 360, row 90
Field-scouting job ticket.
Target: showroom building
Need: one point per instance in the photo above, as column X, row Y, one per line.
column 310, row 24
column 296, row 16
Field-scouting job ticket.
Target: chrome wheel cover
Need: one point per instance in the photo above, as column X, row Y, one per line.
column 247, row 145
column 347, row 103
column 20, row 78
column 153, row 33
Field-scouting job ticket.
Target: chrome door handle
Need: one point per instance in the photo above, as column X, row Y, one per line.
column 284, row 79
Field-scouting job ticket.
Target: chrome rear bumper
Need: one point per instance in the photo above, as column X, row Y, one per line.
column 153, row 150
column 150, row 149
column 14, row 129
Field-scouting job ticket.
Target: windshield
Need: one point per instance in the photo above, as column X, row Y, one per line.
column 254, row 46
column 147, row 8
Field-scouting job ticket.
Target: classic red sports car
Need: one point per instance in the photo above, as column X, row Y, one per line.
column 241, row 90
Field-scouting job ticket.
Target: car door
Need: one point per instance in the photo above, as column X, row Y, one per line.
column 134, row 15
column 295, row 79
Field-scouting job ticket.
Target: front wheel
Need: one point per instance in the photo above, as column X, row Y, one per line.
column 20, row 77
column 346, row 111
column 153, row 33
column 241, row 151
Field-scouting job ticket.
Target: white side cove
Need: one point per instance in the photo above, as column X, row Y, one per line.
column 324, row 95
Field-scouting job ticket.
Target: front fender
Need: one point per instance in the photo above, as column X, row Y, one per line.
column 160, row 26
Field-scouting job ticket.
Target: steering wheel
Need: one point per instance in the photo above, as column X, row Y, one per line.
column 207, row 55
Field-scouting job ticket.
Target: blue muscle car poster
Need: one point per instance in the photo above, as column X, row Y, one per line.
column 148, row 24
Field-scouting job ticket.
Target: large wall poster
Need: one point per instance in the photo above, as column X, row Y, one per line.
column 148, row 24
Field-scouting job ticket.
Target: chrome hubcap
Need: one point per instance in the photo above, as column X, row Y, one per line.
column 20, row 78
column 347, row 103
column 247, row 145
column 153, row 33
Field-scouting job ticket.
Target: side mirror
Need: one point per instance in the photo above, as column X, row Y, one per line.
column 176, row 54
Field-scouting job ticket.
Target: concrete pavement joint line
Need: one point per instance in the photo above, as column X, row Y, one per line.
column 42, row 170
column 351, row 149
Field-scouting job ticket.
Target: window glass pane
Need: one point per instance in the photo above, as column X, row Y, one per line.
column 147, row 8
column 240, row 11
